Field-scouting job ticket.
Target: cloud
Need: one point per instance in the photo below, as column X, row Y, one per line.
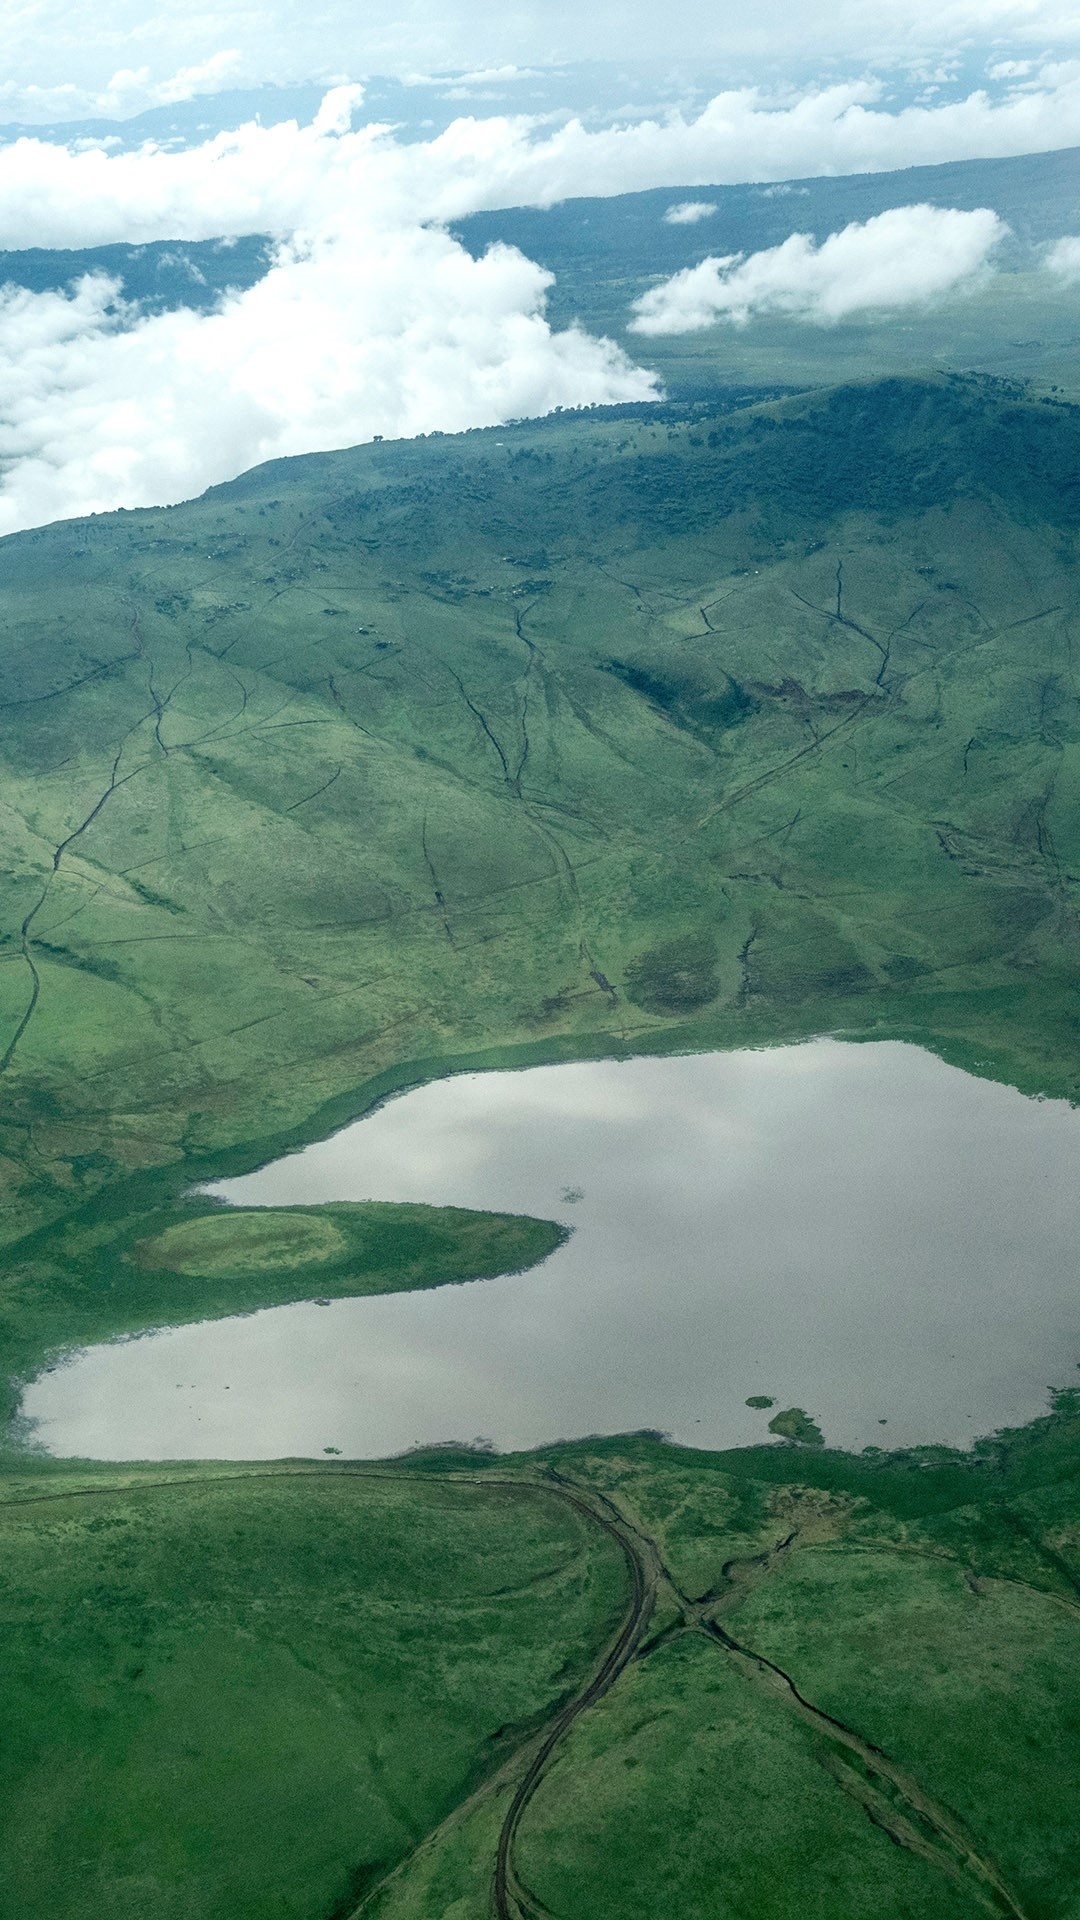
column 391, row 332
column 129, row 90
column 337, row 110
column 687, row 213
column 906, row 257
column 284, row 178
column 208, row 77
column 1063, row 259
column 51, row 42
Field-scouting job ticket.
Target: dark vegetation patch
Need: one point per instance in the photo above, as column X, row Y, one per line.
column 152, row 898
column 684, row 700
column 677, row 977
column 901, row 967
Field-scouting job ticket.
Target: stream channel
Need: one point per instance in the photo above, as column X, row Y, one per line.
column 858, row 1230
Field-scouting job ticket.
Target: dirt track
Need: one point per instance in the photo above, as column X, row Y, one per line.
column 512, row 1900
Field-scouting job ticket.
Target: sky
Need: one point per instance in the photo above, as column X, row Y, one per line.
column 125, row 52
column 373, row 319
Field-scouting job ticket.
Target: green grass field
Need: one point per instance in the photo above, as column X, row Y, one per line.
column 254, row 1695
column 851, row 1687
column 649, row 730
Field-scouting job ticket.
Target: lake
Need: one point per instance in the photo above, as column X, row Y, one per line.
column 858, row 1230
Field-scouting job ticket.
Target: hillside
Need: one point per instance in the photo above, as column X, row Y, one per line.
column 604, row 733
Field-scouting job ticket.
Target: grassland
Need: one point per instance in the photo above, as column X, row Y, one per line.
column 766, row 1684
column 661, row 729
column 233, row 1696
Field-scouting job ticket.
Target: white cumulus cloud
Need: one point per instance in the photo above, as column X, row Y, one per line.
column 687, row 213
column 906, row 257
column 130, row 85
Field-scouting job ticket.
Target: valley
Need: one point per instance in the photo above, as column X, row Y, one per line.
column 655, row 731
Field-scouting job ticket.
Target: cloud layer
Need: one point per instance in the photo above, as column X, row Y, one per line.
column 62, row 53
column 286, row 178
column 906, row 257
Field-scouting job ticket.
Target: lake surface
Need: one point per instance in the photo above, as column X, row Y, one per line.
column 861, row 1231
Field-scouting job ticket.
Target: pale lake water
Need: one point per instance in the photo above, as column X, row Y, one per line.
column 858, row 1230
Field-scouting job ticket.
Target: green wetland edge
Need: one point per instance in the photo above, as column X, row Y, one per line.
column 656, row 731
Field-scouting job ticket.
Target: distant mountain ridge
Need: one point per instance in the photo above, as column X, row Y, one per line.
column 1038, row 194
